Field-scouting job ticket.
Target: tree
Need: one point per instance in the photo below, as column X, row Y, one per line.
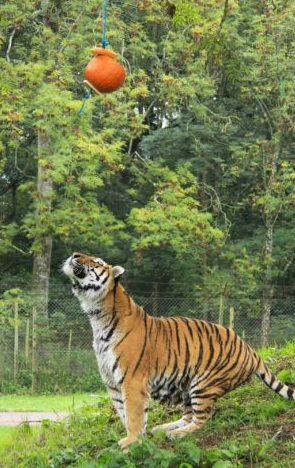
column 202, row 130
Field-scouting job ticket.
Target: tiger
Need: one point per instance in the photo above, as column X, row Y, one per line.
column 176, row 360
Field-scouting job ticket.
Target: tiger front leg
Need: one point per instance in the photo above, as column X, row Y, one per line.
column 135, row 397
column 117, row 400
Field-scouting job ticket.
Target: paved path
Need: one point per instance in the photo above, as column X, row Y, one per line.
column 15, row 418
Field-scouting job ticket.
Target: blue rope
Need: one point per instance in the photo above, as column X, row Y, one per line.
column 104, row 23
column 87, row 95
column 104, row 43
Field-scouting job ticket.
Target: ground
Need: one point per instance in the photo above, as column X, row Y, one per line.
column 251, row 427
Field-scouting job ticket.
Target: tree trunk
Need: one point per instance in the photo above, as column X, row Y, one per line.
column 268, row 286
column 42, row 255
column 41, row 272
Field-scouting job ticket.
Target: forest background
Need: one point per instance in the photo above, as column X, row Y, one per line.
column 185, row 176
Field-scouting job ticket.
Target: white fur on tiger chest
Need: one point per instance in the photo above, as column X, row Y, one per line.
column 106, row 358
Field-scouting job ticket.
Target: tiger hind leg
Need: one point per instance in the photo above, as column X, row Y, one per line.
column 202, row 410
column 183, row 421
column 202, row 406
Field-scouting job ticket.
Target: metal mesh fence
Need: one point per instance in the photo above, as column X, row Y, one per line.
column 65, row 359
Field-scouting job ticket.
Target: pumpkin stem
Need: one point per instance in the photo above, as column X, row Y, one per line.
column 91, row 86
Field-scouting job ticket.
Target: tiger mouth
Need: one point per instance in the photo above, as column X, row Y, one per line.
column 78, row 269
column 79, row 272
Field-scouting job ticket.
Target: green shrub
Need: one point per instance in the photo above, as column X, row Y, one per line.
column 287, row 376
column 57, row 372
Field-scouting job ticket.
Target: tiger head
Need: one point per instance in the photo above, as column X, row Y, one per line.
column 91, row 277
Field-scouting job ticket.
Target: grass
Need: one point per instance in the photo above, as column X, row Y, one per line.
column 39, row 403
column 252, row 427
column 6, row 436
column 45, row 402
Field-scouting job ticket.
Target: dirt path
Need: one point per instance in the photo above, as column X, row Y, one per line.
column 15, row 418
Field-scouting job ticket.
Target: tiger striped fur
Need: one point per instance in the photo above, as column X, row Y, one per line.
column 178, row 360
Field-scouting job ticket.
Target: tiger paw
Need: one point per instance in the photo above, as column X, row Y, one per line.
column 179, row 433
column 126, row 441
column 183, row 431
column 170, row 426
column 157, row 429
column 173, row 434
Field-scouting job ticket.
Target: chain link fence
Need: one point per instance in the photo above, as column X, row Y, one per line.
column 56, row 354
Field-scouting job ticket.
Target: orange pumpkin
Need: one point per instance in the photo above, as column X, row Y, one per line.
column 103, row 73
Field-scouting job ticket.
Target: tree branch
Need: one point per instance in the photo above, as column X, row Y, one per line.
column 10, row 44
column 144, row 116
column 225, row 12
column 224, row 117
column 216, row 204
column 17, row 167
column 9, row 244
column 288, row 264
column 266, row 115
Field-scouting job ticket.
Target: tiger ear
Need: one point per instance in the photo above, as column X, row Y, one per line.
column 118, row 271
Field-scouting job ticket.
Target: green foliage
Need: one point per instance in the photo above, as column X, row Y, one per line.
column 56, row 374
column 144, row 453
column 6, row 235
column 287, row 376
column 191, row 160
column 173, row 218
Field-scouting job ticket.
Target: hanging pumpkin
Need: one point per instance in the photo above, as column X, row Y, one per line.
column 103, row 73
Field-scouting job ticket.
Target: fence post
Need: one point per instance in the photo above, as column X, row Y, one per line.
column 221, row 309
column 16, row 342
column 27, row 341
column 155, row 299
column 70, row 345
column 34, row 349
column 231, row 317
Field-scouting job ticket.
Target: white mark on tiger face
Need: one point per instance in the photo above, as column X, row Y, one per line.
column 99, row 261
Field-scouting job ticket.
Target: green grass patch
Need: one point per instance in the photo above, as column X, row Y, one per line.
column 8, row 435
column 252, row 427
column 46, row 402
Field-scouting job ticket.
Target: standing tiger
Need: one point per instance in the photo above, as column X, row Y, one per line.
column 171, row 359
